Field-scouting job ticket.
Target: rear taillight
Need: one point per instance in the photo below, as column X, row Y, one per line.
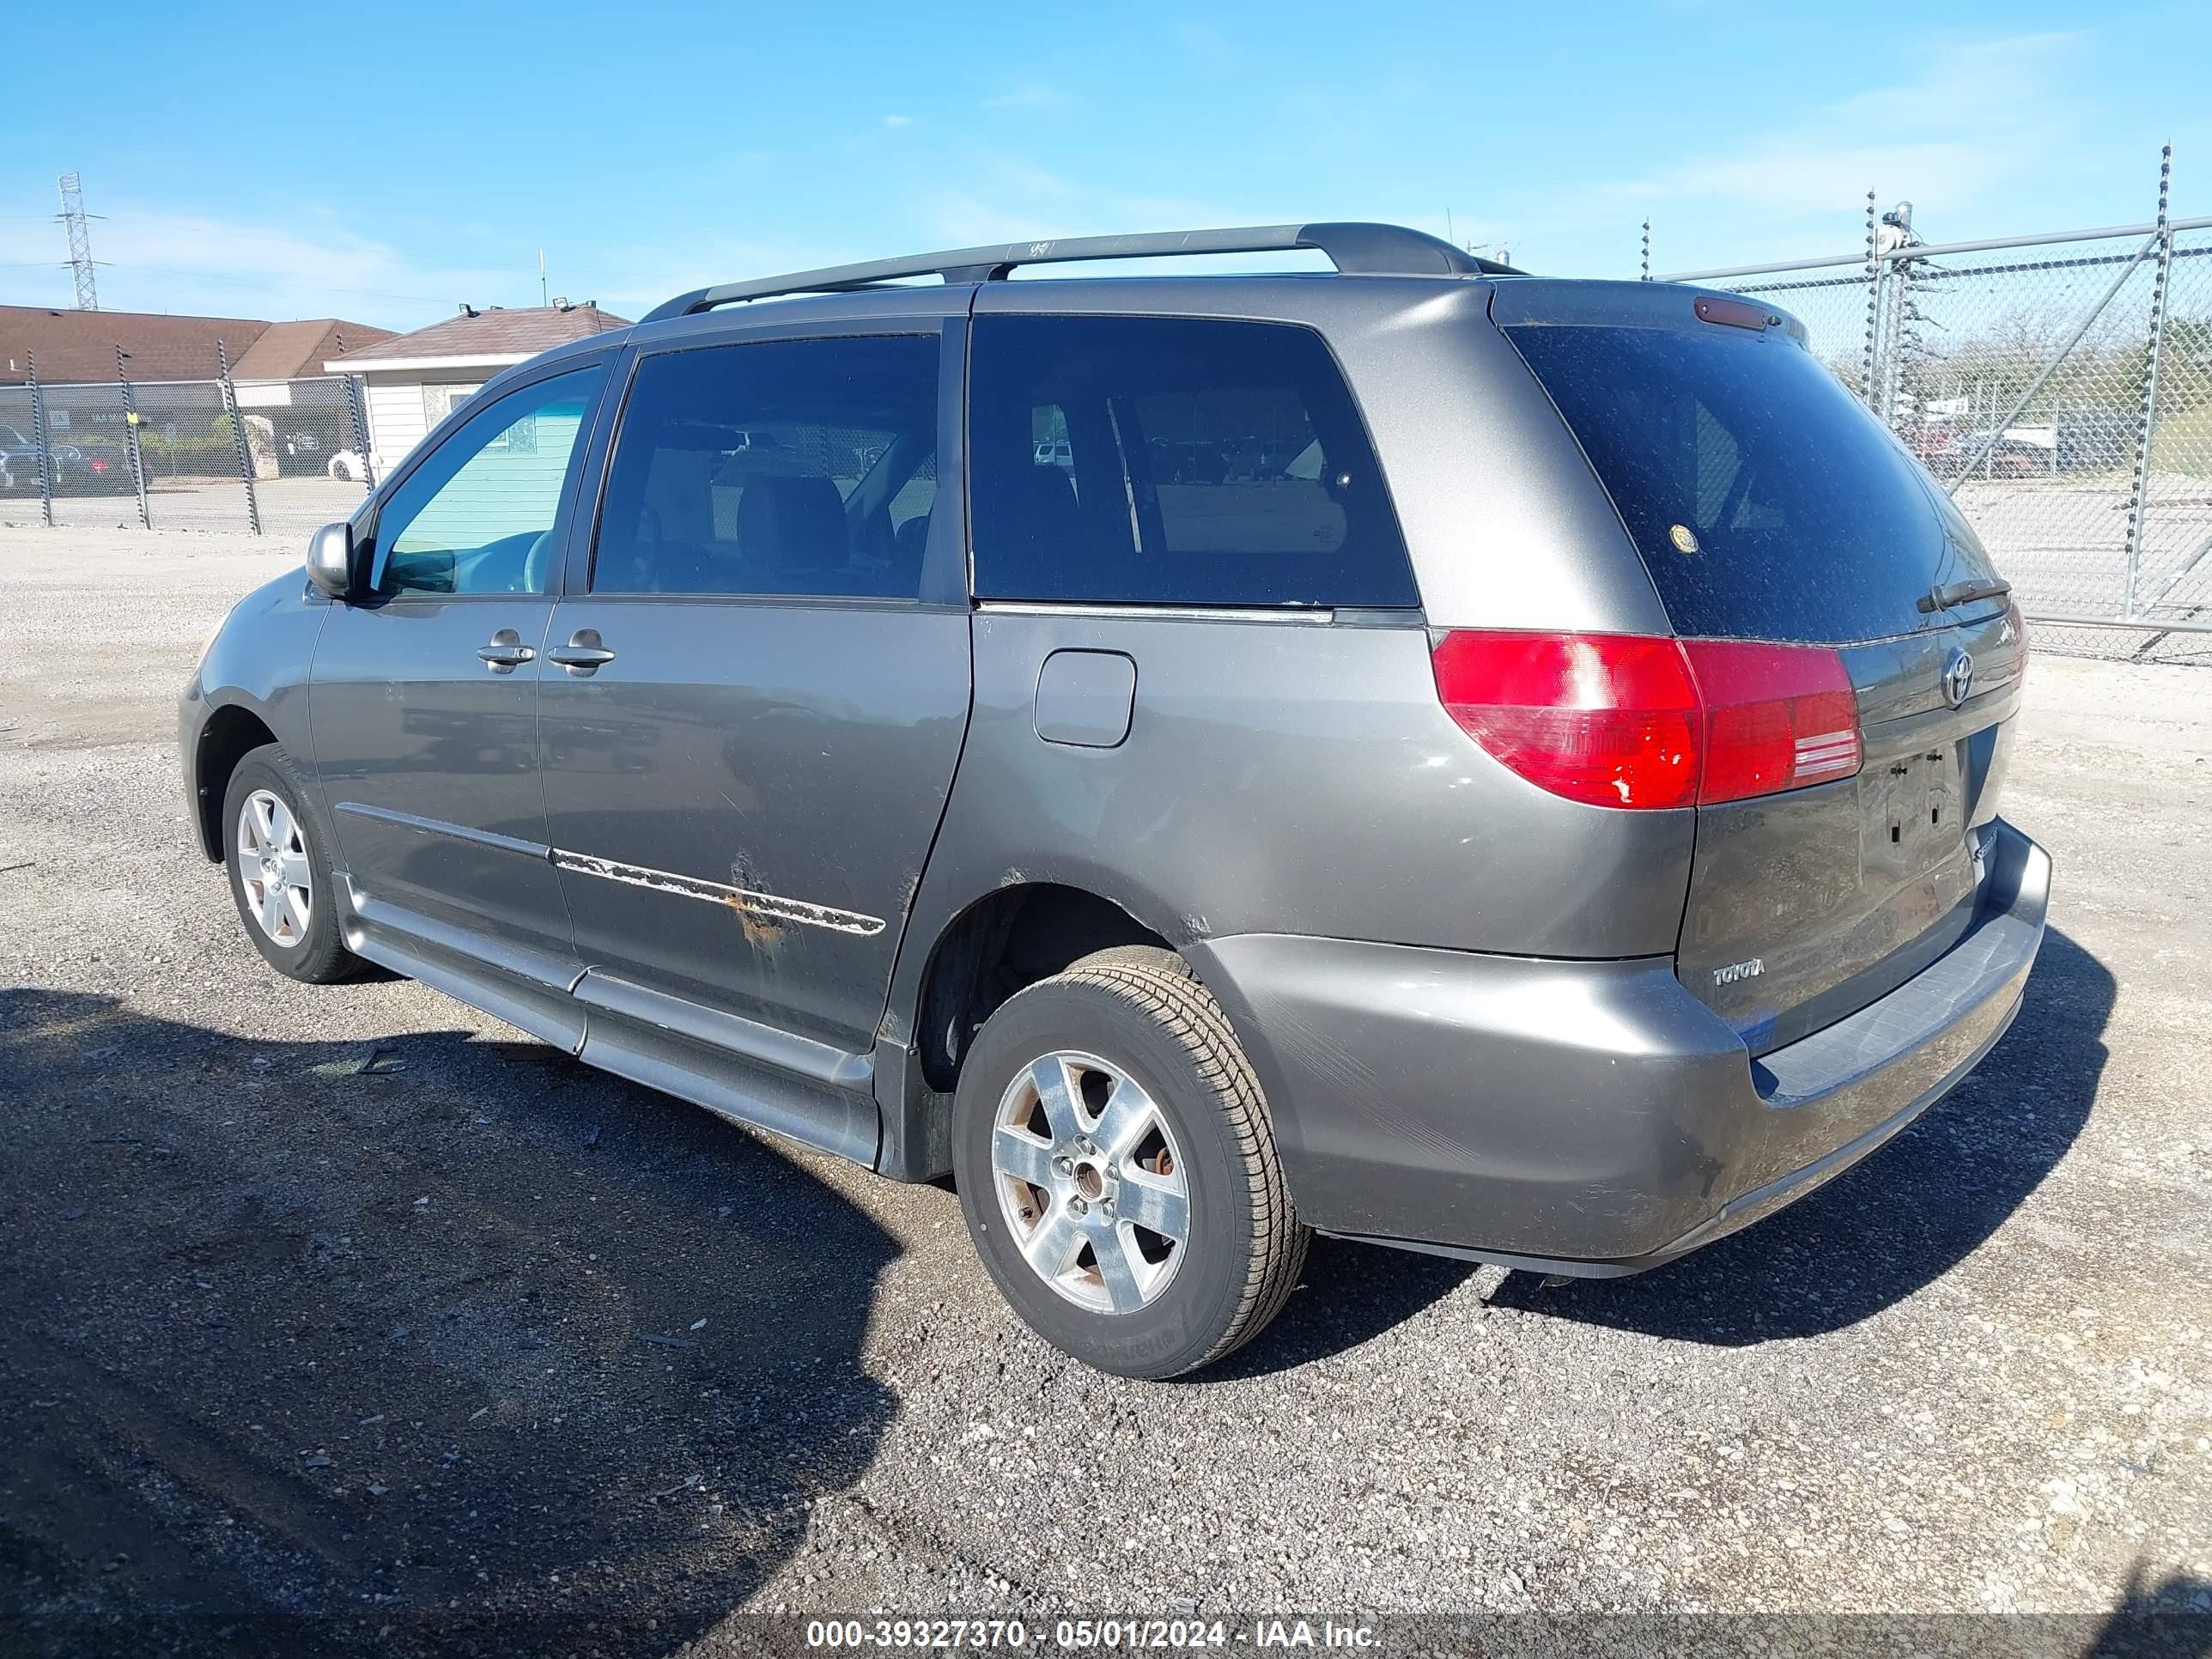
column 1621, row 720
column 1610, row 719
column 1776, row 717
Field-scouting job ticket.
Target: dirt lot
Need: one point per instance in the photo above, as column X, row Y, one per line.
column 347, row 1318
column 291, row 508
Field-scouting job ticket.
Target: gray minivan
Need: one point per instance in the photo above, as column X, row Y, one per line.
column 1446, row 757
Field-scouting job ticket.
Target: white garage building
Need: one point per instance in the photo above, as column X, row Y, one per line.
column 411, row 380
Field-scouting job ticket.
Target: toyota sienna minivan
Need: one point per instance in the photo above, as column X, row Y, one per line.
column 1428, row 754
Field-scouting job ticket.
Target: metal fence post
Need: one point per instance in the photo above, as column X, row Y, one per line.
column 39, row 442
column 359, row 418
column 238, row 438
column 2147, row 425
column 1873, row 304
column 130, row 436
column 1897, row 340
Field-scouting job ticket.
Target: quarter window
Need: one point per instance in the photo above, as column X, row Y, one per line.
column 1173, row 461
column 786, row 467
column 477, row 515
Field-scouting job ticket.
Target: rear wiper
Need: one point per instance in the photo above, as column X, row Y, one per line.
column 1958, row 594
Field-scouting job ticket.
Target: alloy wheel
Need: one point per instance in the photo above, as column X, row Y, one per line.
column 1091, row 1181
column 274, row 869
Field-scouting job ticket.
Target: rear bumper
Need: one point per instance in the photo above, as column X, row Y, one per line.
column 1591, row 1117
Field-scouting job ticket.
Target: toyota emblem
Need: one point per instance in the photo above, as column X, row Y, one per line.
column 1958, row 678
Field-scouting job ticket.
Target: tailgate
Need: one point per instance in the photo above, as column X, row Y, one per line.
column 1807, row 906
column 1768, row 505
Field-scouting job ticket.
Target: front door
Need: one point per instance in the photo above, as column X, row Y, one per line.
column 424, row 694
column 752, row 702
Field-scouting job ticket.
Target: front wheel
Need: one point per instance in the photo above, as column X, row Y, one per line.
column 1118, row 1171
column 280, row 871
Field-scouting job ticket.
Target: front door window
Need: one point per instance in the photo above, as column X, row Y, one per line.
column 477, row 516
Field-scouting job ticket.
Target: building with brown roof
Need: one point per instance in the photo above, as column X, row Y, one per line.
column 297, row 351
column 413, row 379
column 76, row 346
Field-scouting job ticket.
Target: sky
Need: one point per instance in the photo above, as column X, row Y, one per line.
column 385, row 162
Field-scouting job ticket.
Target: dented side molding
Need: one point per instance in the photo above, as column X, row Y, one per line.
column 744, row 900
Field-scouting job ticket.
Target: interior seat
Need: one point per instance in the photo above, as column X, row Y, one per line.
column 792, row 536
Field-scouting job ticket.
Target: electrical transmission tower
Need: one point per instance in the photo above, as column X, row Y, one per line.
column 80, row 241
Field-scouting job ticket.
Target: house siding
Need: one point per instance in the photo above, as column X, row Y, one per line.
column 516, row 479
column 396, row 410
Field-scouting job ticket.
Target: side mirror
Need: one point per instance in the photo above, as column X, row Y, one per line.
column 330, row 560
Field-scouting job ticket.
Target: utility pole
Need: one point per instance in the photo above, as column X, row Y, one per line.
column 80, row 241
column 543, row 291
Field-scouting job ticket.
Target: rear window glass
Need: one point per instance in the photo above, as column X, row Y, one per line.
column 1173, row 461
column 1766, row 501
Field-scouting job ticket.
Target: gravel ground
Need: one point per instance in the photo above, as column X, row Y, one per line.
column 291, row 508
column 347, row 1317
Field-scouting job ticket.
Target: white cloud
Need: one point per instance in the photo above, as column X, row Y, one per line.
column 895, row 122
column 1007, row 198
column 1038, row 97
column 1979, row 114
column 315, row 266
column 1967, row 122
column 319, row 267
column 632, row 278
column 1204, row 41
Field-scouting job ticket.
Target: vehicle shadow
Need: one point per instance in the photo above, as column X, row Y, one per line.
column 2172, row 1618
column 1348, row 1295
column 1898, row 1221
column 436, row 1345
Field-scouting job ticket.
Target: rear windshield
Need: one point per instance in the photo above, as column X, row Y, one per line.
column 1766, row 501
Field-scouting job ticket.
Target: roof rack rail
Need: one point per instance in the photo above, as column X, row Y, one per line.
column 1357, row 249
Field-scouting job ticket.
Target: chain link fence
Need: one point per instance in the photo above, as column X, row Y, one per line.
column 2060, row 388
column 280, row 457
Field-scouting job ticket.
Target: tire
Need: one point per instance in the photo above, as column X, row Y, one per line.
column 1157, row 1305
column 1157, row 957
column 315, row 954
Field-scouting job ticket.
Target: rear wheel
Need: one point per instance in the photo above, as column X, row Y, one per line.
column 280, row 871
column 1117, row 1170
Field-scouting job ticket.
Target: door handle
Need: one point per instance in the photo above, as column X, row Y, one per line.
column 505, row 652
column 583, row 654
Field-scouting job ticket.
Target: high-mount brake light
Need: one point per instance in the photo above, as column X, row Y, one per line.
column 1629, row 720
column 1735, row 314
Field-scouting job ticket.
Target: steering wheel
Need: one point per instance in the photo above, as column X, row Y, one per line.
column 536, row 562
